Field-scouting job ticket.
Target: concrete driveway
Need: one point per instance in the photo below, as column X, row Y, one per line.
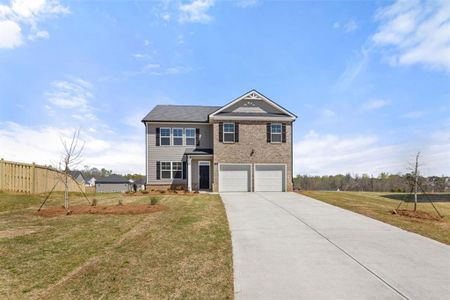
column 288, row 246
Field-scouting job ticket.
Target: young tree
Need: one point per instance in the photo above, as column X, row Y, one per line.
column 70, row 158
column 416, row 180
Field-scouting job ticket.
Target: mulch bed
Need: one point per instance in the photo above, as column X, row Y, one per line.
column 416, row 214
column 158, row 193
column 126, row 209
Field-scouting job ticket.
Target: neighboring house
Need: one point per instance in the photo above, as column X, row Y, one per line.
column 138, row 185
column 113, row 183
column 245, row 145
column 78, row 176
column 91, row 182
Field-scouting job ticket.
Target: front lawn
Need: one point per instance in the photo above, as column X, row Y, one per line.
column 181, row 252
column 381, row 205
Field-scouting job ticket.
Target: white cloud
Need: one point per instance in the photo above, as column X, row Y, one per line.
column 74, row 96
column 416, row 32
column 122, row 154
column 10, row 34
column 317, row 154
column 24, row 16
column 247, row 3
column 413, row 114
column 39, row 35
column 375, row 104
column 331, row 154
column 350, row 26
column 353, row 69
column 195, row 11
column 328, row 113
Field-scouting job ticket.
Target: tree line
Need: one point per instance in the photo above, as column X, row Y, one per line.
column 383, row 183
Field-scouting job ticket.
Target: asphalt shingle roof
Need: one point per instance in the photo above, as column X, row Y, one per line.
column 180, row 113
column 112, row 179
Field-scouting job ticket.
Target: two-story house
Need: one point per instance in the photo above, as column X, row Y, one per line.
column 245, row 145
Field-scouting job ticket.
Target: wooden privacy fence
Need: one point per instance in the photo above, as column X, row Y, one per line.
column 33, row 179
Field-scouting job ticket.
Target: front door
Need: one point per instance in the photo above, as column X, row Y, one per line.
column 203, row 173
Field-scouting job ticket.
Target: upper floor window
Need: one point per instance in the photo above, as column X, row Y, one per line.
column 177, row 134
column 275, row 133
column 190, row 137
column 228, row 132
column 164, row 136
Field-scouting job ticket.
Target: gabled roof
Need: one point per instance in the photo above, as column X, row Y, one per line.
column 75, row 174
column 113, row 178
column 180, row 113
column 254, row 95
column 202, row 114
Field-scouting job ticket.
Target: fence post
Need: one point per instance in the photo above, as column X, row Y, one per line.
column 2, row 174
column 33, row 178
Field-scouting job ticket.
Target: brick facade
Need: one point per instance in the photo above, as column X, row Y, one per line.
column 253, row 148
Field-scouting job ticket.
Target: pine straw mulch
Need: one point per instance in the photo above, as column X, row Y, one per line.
column 416, row 214
column 126, row 209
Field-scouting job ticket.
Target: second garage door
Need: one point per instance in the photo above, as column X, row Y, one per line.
column 270, row 178
column 234, row 178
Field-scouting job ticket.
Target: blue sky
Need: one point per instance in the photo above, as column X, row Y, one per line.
column 368, row 80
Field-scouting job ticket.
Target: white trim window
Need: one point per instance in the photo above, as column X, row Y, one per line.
column 275, row 133
column 177, row 170
column 190, row 137
column 177, row 136
column 164, row 136
column 228, row 132
column 166, row 170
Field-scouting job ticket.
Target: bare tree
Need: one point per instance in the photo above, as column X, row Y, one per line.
column 71, row 156
column 416, row 180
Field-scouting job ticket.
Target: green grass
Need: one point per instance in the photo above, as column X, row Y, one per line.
column 183, row 252
column 380, row 206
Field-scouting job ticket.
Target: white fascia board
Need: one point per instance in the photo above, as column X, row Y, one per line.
column 263, row 98
column 227, row 118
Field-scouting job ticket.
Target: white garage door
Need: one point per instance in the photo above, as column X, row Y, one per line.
column 270, row 178
column 234, row 178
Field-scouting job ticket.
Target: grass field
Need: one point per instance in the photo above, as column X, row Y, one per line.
column 182, row 252
column 380, row 206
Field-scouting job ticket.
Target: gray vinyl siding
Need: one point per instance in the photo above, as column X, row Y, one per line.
column 112, row 187
column 172, row 153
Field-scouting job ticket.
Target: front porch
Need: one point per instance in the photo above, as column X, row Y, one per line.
column 199, row 173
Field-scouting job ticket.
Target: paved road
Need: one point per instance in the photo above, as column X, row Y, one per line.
column 288, row 246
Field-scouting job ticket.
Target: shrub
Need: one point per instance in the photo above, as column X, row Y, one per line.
column 162, row 191
column 120, row 202
column 144, row 192
column 154, row 200
column 94, row 202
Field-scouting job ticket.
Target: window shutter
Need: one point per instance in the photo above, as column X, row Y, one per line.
column 283, row 133
column 197, row 137
column 236, row 132
column 158, row 169
column 184, row 169
column 157, row 137
column 221, row 132
column 268, row 132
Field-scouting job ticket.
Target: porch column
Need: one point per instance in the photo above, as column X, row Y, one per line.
column 189, row 173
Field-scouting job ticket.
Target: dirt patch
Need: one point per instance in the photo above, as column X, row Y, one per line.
column 416, row 214
column 128, row 209
column 17, row 232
